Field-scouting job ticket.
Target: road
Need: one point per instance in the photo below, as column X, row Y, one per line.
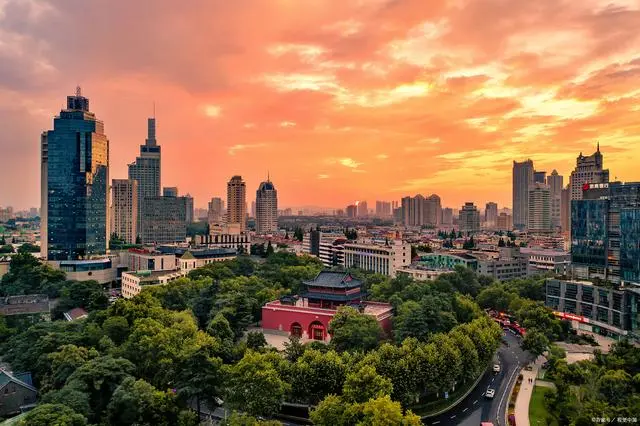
column 475, row 408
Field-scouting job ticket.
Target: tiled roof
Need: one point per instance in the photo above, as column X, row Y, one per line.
column 7, row 377
column 334, row 279
column 75, row 313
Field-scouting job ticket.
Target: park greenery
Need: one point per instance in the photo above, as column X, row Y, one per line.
column 152, row 359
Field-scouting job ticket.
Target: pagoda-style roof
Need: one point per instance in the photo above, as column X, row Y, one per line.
column 331, row 279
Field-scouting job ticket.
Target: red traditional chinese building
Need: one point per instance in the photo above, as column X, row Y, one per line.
column 308, row 315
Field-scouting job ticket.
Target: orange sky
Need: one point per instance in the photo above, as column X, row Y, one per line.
column 339, row 100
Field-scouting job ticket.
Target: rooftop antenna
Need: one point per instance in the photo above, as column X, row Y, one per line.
column 78, row 91
column 598, row 147
column 268, row 177
column 154, row 109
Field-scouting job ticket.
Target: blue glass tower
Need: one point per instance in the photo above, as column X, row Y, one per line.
column 75, row 183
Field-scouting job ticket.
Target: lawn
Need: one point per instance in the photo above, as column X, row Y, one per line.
column 538, row 414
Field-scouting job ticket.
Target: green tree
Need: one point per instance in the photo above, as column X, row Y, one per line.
column 6, row 248
column 237, row 419
column 136, row 402
column 255, row 386
column 351, row 330
column 614, row 385
column 384, row 411
column 495, row 297
column 331, row 411
column 28, row 248
column 66, row 361
column 256, row 340
column 77, row 400
column 535, row 342
column 53, row 414
column 293, row 349
column 219, row 327
column 201, row 377
column 117, row 328
column 269, row 250
column 365, row 384
column 316, row 375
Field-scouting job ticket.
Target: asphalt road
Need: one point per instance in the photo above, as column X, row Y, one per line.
column 475, row 408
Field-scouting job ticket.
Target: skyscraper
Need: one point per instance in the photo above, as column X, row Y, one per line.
column 565, row 209
column 539, row 177
column 363, row 208
column 170, row 191
column 588, row 170
column 383, row 209
column 491, row 214
column 215, row 212
column 124, row 209
column 432, row 210
column 165, row 220
column 469, row 218
column 522, row 179
column 266, row 208
column 555, row 182
column 146, row 170
column 352, row 210
column 447, row 216
column 539, row 214
column 237, row 203
column 75, row 184
column 189, row 216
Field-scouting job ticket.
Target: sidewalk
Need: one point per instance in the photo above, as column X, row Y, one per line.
column 526, row 389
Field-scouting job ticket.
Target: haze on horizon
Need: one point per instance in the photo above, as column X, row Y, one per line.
column 339, row 101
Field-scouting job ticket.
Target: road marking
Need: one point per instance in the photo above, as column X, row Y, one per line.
column 492, row 380
column 453, row 417
column 475, row 402
column 436, row 422
column 464, row 410
column 504, row 393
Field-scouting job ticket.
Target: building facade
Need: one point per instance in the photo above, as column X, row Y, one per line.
column 522, row 179
column 383, row 209
column 124, row 209
column 74, row 184
column 165, row 220
column 146, row 171
column 505, row 222
column 215, row 214
column 381, row 259
column 469, row 218
column 237, row 203
column 539, row 215
column 134, row 282
column 491, row 214
column 556, row 185
column 240, row 242
column 589, row 170
column 266, row 208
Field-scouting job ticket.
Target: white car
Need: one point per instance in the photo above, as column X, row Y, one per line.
column 490, row 393
column 496, row 368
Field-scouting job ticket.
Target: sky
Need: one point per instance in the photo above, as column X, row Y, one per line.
column 337, row 100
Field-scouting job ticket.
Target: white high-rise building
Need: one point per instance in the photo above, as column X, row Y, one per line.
column 555, row 183
column 491, row 214
column 237, row 203
column 266, row 208
column 522, row 179
column 588, row 170
column 124, row 209
column 539, row 214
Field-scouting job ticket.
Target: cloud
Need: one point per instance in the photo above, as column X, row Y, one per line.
column 242, row 147
column 382, row 156
column 349, row 162
column 212, row 111
column 323, row 176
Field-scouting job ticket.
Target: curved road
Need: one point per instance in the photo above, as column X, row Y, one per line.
column 475, row 408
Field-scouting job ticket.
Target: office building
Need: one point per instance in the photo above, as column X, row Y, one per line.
column 352, row 211
column 124, row 209
column 215, row 214
column 266, row 208
column 363, row 208
column 421, row 211
column 588, row 170
column 605, row 233
column 543, row 261
column 237, row 203
column 240, row 242
column 491, row 214
column 469, row 218
column 134, row 282
column 565, row 208
column 508, row 265
column 555, row 183
column 539, row 177
column 327, row 247
column 165, row 220
column 522, row 180
column 381, row 259
column 505, row 222
column 147, row 260
column 189, row 206
column 447, row 216
column 253, row 209
column 170, row 191
column 146, row 170
column 74, row 184
column 432, row 210
column 539, row 215
column 383, row 209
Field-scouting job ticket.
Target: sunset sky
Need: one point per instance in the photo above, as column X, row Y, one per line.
column 340, row 100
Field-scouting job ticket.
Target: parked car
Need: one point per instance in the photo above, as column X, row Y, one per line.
column 490, row 393
column 496, row 368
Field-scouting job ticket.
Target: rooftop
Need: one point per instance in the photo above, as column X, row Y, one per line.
column 334, row 280
column 150, row 276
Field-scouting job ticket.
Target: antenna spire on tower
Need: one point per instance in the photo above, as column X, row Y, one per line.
column 78, row 91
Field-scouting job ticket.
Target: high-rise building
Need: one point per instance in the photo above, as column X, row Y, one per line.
column 352, row 210
column 539, row 209
column 605, row 232
column 491, row 214
column 124, row 209
column 165, row 220
column 266, row 208
column 505, row 222
column 170, row 191
column 447, row 216
column 421, row 211
column 253, row 209
column 74, row 184
column 216, row 211
column 469, row 218
column 522, row 179
column 588, row 170
column 237, row 203
column 189, row 212
column 383, row 209
column 363, row 208
column 539, row 177
column 432, row 210
column 555, row 183
column 565, row 209
column 146, row 170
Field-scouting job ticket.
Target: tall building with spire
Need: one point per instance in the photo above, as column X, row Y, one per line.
column 74, row 184
column 237, row 204
column 522, row 179
column 588, row 170
column 266, row 208
column 146, row 170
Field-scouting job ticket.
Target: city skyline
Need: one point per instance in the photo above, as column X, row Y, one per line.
column 392, row 120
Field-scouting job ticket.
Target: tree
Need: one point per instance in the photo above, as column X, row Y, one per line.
column 117, row 328
column 6, row 248
column 365, row 384
column 614, row 385
column 384, row 411
column 136, row 402
column 316, row 375
column 298, row 234
column 293, row 349
column 255, row 386
column 219, row 327
column 501, row 243
column 2, row 240
column 53, row 414
column 535, row 342
column 269, row 250
column 66, row 361
column 256, row 340
column 77, row 400
column 351, row 330
column 331, row 411
column 237, row 419
column 495, row 297
column 28, row 248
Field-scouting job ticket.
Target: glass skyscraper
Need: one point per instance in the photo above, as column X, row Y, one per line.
column 75, row 184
